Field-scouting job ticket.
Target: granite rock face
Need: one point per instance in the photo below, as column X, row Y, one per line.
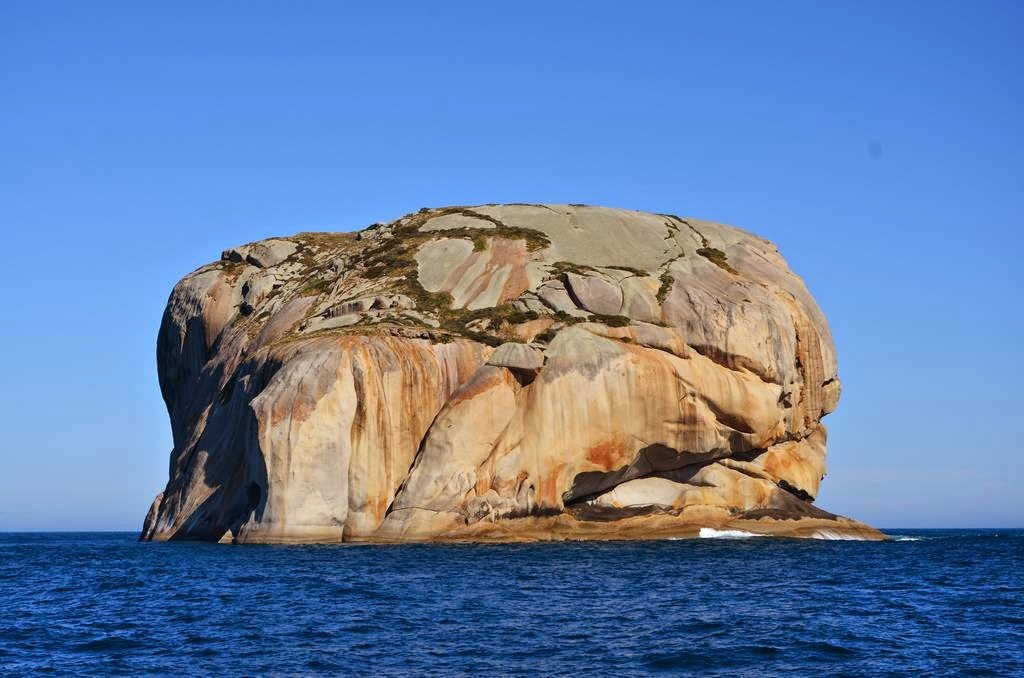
column 496, row 373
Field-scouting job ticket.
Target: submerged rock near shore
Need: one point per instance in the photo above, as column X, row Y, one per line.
column 497, row 373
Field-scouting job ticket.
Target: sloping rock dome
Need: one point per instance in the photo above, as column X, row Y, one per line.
column 498, row 372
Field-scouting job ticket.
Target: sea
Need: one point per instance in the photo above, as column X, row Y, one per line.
column 930, row 602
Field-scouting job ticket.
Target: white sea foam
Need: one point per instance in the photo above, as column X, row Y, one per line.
column 899, row 537
column 712, row 533
column 832, row 535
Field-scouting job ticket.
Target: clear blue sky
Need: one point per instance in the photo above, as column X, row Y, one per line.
column 880, row 144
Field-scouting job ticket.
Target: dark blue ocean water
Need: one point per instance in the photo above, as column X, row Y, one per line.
column 936, row 602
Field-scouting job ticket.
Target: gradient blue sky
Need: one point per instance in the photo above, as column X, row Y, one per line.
column 880, row 144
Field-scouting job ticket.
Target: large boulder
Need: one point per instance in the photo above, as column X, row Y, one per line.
column 495, row 373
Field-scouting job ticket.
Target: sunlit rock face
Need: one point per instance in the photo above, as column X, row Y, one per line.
column 496, row 373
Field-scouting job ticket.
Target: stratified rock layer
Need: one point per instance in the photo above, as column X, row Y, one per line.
column 495, row 373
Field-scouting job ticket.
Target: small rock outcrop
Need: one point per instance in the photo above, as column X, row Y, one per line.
column 496, row 373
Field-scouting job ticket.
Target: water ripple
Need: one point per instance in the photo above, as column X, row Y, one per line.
column 927, row 602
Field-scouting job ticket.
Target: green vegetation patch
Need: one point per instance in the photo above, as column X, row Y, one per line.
column 629, row 269
column 666, row 287
column 324, row 239
column 502, row 319
column 314, row 286
column 314, row 243
column 563, row 267
column 610, row 320
column 392, row 259
column 718, row 258
column 547, row 335
column 232, row 269
column 395, row 257
column 410, row 229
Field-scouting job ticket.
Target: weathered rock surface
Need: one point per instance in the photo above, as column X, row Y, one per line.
column 495, row 373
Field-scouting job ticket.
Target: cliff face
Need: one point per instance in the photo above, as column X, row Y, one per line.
column 497, row 372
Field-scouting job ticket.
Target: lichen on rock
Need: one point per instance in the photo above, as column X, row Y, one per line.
column 496, row 373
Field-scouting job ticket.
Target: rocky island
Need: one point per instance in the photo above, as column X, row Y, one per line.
column 497, row 373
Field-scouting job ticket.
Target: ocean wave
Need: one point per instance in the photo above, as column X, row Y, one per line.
column 712, row 533
column 832, row 535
